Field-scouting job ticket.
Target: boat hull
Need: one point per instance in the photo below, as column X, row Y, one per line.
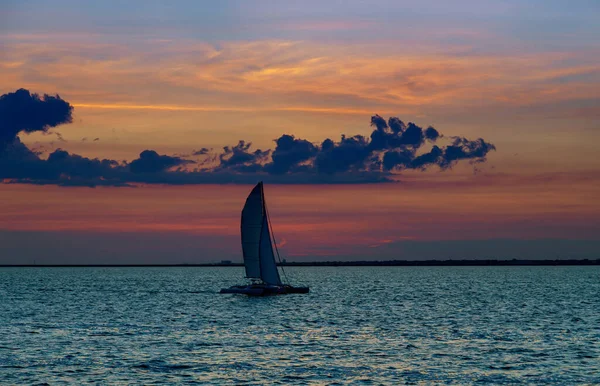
column 264, row 290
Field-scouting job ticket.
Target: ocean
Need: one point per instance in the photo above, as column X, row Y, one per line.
column 358, row 325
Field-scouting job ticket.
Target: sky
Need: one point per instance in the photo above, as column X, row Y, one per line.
column 382, row 129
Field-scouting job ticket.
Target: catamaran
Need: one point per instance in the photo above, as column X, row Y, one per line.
column 257, row 249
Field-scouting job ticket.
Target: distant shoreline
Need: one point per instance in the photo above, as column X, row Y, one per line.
column 387, row 263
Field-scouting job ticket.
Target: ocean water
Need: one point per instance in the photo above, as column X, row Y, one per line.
column 359, row 325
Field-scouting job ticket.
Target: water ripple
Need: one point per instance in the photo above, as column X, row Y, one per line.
column 382, row 325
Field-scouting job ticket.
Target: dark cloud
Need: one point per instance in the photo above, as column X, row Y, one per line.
column 240, row 158
column 350, row 153
column 18, row 163
column 378, row 122
column 463, row 148
column 21, row 111
column 412, row 136
column 395, row 158
column 152, row 162
column 431, row 134
column 202, row 151
column 327, row 145
column 392, row 146
column 427, row 159
column 396, row 125
column 76, row 166
column 289, row 154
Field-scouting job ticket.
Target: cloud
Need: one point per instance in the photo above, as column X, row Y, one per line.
column 21, row 111
column 462, row 148
column 431, row 134
column 152, row 162
column 19, row 164
column 396, row 125
column 350, row 153
column 431, row 158
column 239, row 158
column 378, row 122
column 202, row 151
column 289, row 154
column 392, row 146
column 291, row 75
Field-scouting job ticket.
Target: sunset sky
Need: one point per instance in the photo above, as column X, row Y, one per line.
column 188, row 78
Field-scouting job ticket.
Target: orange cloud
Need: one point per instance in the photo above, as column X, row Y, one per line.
column 285, row 75
column 308, row 109
column 171, row 95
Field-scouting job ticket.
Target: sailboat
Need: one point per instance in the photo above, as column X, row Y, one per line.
column 257, row 249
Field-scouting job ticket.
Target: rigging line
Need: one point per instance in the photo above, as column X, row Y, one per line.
column 275, row 242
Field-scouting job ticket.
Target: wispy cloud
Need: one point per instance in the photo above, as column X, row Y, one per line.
column 307, row 109
column 292, row 76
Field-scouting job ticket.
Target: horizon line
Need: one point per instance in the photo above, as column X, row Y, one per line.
column 358, row 263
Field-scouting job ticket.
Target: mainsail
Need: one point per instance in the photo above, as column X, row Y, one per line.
column 257, row 248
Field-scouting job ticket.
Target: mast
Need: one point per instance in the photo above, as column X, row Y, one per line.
column 275, row 242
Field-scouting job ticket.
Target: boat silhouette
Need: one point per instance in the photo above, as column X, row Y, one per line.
column 257, row 248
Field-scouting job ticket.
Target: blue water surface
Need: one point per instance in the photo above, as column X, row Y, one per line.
column 358, row 325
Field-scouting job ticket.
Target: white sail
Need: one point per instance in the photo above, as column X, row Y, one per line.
column 257, row 248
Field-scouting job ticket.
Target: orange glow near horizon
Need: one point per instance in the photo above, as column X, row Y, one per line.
column 327, row 220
